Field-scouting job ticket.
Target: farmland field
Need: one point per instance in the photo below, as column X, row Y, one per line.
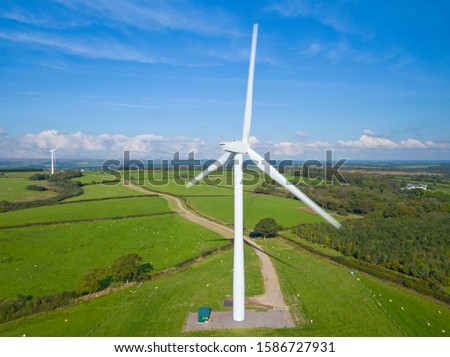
column 341, row 305
column 103, row 191
column 158, row 308
column 93, row 176
column 180, row 190
column 285, row 211
column 325, row 297
column 13, row 187
column 119, row 207
column 51, row 259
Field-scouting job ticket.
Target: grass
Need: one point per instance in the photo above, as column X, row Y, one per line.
column 157, row 308
column 51, row 259
column 119, row 207
column 409, row 310
column 179, row 189
column 13, row 188
column 340, row 305
column 93, row 176
column 285, row 211
column 103, row 191
column 326, row 299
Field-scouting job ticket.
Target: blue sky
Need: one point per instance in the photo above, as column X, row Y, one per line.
column 368, row 79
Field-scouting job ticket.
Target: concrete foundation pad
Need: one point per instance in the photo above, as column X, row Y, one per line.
column 253, row 319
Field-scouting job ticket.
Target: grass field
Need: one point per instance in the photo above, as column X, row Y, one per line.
column 13, row 187
column 325, row 297
column 340, row 305
column 51, row 259
column 285, row 211
column 119, row 207
column 103, row 191
column 93, row 176
column 158, row 308
column 198, row 190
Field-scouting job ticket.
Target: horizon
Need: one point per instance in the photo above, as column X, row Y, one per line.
column 369, row 81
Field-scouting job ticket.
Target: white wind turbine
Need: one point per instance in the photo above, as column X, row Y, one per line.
column 53, row 158
column 235, row 149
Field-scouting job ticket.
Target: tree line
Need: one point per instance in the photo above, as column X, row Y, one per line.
column 415, row 247
column 124, row 269
column 61, row 183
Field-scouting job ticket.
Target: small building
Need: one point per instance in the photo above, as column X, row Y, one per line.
column 204, row 314
column 412, row 186
column 255, row 234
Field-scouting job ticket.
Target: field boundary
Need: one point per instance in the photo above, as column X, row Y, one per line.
column 101, row 199
column 88, row 220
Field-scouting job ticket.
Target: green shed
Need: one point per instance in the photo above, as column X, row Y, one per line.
column 204, row 313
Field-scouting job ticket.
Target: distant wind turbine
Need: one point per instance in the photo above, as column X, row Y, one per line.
column 53, row 158
column 235, row 149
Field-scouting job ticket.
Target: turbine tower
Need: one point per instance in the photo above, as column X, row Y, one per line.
column 236, row 149
column 53, row 159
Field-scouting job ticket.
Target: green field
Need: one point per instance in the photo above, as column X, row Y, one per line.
column 340, row 305
column 13, row 187
column 120, row 207
column 93, row 176
column 51, row 259
column 198, row 190
column 256, row 207
column 326, row 299
column 103, row 191
column 158, row 308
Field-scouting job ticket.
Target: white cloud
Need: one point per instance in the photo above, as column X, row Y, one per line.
column 287, row 148
column 79, row 144
column 301, row 133
column 368, row 132
column 318, row 145
column 324, row 13
column 104, row 48
column 253, row 141
column 157, row 15
column 152, row 146
column 433, row 145
column 75, row 141
column 369, row 142
column 412, row 144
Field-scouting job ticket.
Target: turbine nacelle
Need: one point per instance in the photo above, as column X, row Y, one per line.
column 235, row 146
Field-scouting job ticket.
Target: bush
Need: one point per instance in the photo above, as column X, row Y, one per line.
column 36, row 188
column 38, row 177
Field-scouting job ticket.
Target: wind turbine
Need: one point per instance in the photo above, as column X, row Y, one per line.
column 236, row 149
column 53, row 158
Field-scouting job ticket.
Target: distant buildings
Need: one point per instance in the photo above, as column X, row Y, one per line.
column 411, row 186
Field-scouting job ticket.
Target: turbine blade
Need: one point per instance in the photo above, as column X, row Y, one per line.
column 264, row 166
column 211, row 168
column 249, row 100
